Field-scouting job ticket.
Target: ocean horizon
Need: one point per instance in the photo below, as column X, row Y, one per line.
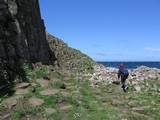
column 131, row 64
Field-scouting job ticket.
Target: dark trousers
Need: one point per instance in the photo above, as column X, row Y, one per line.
column 123, row 82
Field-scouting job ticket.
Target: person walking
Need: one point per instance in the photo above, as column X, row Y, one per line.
column 123, row 75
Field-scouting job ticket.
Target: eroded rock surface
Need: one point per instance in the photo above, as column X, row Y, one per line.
column 22, row 37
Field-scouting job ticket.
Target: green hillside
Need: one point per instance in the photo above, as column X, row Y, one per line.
column 69, row 58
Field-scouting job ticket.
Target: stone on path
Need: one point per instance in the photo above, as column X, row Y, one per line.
column 22, row 91
column 139, row 110
column 11, row 102
column 37, row 118
column 132, row 103
column 5, row 117
column 22, row 85
column 116, row 102
column 36, row 101
column 33, row 84
column 137, row 88
column 43, row 83
column 76, row 92
column 49, row 92
column 50, row 111
column 64, row 93
column 65, row 107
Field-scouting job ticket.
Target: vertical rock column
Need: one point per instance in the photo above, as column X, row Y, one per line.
column 22, row 37
column 8, row 35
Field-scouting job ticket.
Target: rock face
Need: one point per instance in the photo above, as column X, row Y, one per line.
column 22, row 37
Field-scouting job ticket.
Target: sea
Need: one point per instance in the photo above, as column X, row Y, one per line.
column 131, row 65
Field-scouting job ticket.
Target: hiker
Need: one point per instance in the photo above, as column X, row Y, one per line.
column 123, row 75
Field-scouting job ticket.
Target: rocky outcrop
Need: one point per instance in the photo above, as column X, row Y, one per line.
column 22, row 37
column 107, row 75
column 144, row 73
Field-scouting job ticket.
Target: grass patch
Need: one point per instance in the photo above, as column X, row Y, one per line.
column 107, row 102
column 23, row 109
column 39, row 71
column 58, row 84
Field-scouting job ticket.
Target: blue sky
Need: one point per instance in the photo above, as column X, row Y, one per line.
column 107, row 30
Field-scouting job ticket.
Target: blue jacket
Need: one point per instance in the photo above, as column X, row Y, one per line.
column 123, row 73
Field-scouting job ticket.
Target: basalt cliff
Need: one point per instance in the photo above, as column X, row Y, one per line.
column 22, row 37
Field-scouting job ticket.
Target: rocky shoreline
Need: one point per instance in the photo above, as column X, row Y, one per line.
column 108, row 75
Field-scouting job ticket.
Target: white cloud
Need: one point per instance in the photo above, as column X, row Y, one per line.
column 152, row 49
column 107, row 54
column 102, row 54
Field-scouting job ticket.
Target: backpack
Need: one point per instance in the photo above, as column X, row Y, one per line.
column 125, row 73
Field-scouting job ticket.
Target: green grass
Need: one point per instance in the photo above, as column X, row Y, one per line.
column 88, row 104
column 108, row 102
column 39, row 72
column 23, row 109
column 57, row 84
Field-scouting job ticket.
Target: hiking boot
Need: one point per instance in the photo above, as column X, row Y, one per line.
column 124, row 90
column 126, row 87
